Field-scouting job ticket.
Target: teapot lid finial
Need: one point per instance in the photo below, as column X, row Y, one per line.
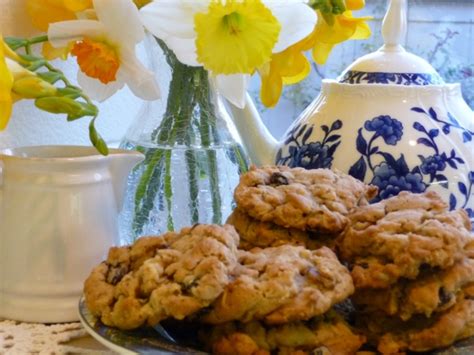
column 394, row 26
column 392, row 64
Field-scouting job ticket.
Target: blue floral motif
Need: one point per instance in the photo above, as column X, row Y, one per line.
column 447, row 126
column 359, row 77
column 310, row 155
column 393, row 175
column 432, row 164
column 391, row 130
column 392, row 181
column 466, row 192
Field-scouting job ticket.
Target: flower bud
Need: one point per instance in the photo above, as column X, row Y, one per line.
column 32, row 87
column 55, row 104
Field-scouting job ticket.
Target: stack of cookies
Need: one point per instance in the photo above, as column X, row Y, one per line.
column 269, row 281
column 412, row 264
column 281, row 301
column 277, row 205
column 198, row 274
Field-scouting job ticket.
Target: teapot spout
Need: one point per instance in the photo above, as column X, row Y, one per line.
column 259, row 142
column 121, row 163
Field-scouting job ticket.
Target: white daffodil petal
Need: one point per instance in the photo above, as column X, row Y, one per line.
column 121, row 19
column 169, row 19
column 297, row 22
column 233, row 88
column 140, row 80
column 97, row 90
column 61, row 33
column 185, row 50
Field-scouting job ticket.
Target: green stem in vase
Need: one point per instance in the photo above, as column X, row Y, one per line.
column 168, row 190
column 189, row 124
column 210, row 136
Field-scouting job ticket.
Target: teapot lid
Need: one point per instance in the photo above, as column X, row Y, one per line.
column 392, row 64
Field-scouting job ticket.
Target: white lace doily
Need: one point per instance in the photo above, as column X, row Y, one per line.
column 30, row 338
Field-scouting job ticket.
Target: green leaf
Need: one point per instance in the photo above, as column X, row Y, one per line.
column 51, row 77
column 96, row 140
column 15, row 43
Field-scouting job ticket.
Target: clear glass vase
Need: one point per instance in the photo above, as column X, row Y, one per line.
column 193, row 155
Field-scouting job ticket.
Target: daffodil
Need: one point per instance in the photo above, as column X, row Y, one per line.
column 105, row 50
column 230, row 38
column 45, row 12
column 345, row 27
column 287, row 67
column 6, row 84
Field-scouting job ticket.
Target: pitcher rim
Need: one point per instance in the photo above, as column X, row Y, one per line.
column 85, row 153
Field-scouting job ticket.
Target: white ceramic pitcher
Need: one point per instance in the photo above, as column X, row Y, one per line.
column 58, row 218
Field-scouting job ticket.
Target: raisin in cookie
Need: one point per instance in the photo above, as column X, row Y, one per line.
column 394, row 336
column 435, row 291
column 317, row 200
column 397, row 237
column 100, row 285
column 282, row 284
column 329, row 334
column 254, row 233
column 179, row 280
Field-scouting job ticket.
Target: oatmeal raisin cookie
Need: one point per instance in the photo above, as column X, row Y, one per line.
column 397, row 237
column 188, row 273
column 254, row 233
column 316, row 200
column 329, row 334
column 282, row 284
column 435, row 291
column 394, row 336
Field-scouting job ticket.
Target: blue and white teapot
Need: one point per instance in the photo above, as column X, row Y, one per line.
column 389, row 120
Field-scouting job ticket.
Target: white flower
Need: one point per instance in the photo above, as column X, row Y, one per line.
column 173, row 21
column 105, row 50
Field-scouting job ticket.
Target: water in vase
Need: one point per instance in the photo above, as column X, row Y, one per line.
column 203, row 177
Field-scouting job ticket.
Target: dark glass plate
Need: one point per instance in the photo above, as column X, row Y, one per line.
column 156, row 341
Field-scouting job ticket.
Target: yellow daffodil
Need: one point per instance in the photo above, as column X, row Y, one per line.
column 287, row 67
column 105, row 50
column 345, row 27
column 230, row 38
column 6, row 84
column 45, row 12
column 235, row 37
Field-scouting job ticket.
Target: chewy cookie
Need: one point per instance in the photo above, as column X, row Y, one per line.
column 432, row 292
column 394, row 336
column 398, row 237
column 188, row 273
column 280, row 285
column 329, row 334
column 254, row 233
column 316, row 200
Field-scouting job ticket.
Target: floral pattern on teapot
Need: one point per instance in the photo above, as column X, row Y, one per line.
column 390, row 174
column 362, row 77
